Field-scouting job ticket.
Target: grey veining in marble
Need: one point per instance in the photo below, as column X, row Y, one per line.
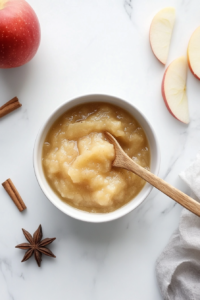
column 128, row 7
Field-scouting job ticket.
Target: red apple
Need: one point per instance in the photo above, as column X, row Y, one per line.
column 19, row 33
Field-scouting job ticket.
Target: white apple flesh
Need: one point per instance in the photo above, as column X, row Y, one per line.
column 160, row 33
column 193, row 53
column 174, row 89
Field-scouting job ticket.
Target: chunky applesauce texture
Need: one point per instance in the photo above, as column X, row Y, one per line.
column 77, row 157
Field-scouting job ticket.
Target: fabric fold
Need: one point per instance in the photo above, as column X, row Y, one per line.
column 178, row 266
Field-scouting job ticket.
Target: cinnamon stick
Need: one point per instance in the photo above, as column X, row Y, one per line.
column 9, row 107
column 14, row 195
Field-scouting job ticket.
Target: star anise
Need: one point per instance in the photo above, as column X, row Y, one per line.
column 35, row 245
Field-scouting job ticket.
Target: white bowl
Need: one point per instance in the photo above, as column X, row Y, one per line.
column 64, row 207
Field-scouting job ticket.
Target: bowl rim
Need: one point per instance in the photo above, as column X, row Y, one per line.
column 75, row 212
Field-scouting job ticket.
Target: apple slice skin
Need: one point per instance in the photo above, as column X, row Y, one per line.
column 196, row 32
column 165, row 18
column 164, row 94
column 19, row 33
column 164, row 97
column 163, row 63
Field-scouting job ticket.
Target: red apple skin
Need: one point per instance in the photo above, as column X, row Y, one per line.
column 19, row 33
column 164, row 97
column 152, row 49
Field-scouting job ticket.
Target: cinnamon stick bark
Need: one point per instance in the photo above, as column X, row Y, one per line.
column 9, row 106
column 14, row 195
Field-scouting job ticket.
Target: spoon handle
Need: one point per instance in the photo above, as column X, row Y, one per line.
column 164, row 187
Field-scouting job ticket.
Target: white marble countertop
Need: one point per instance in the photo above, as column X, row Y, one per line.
column 92, row 46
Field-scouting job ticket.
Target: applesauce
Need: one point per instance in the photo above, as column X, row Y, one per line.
column 77, row 157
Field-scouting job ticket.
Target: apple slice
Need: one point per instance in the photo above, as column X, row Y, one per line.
column 174, row 89
column 193, row 53
column 161, row 32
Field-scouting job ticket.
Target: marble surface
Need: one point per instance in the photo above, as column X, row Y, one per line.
column 92, row 46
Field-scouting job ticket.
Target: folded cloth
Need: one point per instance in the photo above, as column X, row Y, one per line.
column 178, row 266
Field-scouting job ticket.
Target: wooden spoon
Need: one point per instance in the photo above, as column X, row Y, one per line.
column 122, row 160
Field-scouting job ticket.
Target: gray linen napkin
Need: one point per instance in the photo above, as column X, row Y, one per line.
column 178, row 266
